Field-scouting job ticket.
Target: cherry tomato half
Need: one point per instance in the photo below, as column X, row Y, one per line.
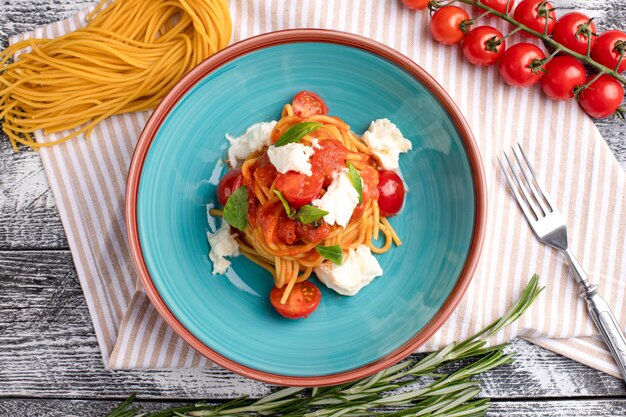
column 563, row 74
column 391, row 193
column 445, row 25
column 303, row 300
column 574, row 30
column 516, row 65
column 416, row 4
column 602, row 97
column 483, row 45
column 306, row 104
column 607, row 49
column 298, row 188
column 533, row 13
column 497, row 5
column 228, row 184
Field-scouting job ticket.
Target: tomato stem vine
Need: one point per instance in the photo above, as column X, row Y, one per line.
column 551, row 56
column 507, row 7
column 543, row 11
column 548, row 40
column 511, row 33
column 467, row 24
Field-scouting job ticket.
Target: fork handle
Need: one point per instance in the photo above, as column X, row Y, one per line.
column 601, row 314
column 578, row 271
column 605, row 321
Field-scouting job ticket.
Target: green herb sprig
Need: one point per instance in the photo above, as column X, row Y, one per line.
column 450, row 395
column 332, row 253
column 355, row 178
column 309, row 214
column 306, row 215
column 236, row 208
column 290, row 213
column 296, row 132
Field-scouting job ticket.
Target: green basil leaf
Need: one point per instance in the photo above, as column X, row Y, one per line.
column 355, row 177
column 297, row 132
column 236, row 209
column 332, row 253
column 308, row 214
column 288, row 210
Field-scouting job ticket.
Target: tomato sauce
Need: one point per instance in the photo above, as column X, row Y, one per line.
column 278, row 228
column 330, row 158
column 369, row 192
column 267, row 216
column 264, row 171
column 314, row 232
column 286, row 229
column 370, row 184
column 253, row 208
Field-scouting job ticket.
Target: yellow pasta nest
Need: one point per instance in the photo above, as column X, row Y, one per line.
column 127, row 57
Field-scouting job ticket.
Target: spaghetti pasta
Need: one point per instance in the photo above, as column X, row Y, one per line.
column 127, row 57
column 290, row 258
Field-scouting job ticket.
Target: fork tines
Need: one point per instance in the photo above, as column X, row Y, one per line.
column 529, row 193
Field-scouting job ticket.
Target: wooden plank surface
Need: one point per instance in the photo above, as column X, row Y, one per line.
column 48, row 349
column 28, row 216
column 75, row 408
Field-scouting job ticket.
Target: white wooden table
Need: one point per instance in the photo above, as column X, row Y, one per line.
column 49, row 359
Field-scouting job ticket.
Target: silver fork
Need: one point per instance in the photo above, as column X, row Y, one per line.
column 549, row 227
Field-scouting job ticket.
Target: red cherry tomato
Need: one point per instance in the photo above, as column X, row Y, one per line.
column 303, row 300
column 391, row 193
column 608, row 47
column 563, row 74
column 416, row 4
column 444, row 25
column 306, row 104
column 574, row 30
column 483, row 45
column 497, row 5
column 298, row 188
column 533, row 13
column 228, row 184
column 515, row 65
column 602, row 97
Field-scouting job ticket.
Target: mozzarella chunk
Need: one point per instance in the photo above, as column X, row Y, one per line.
column 291, row 157
column 256, row 137
column 357, row 270
column 222, row 244
column 386, row 142
column 340, row 199
column 315, row 143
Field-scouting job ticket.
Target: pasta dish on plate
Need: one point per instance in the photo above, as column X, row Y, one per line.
column 306, row 196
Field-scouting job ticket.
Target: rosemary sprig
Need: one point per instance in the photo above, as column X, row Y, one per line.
column 397, row 391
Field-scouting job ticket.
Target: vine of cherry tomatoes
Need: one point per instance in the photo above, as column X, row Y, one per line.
column 572, row 38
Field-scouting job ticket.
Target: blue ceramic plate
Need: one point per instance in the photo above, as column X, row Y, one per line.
column 178, row 163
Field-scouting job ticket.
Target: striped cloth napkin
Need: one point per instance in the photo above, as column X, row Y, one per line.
column 87, row 178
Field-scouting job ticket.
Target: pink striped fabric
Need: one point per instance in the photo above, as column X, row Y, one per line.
column 87, row 179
